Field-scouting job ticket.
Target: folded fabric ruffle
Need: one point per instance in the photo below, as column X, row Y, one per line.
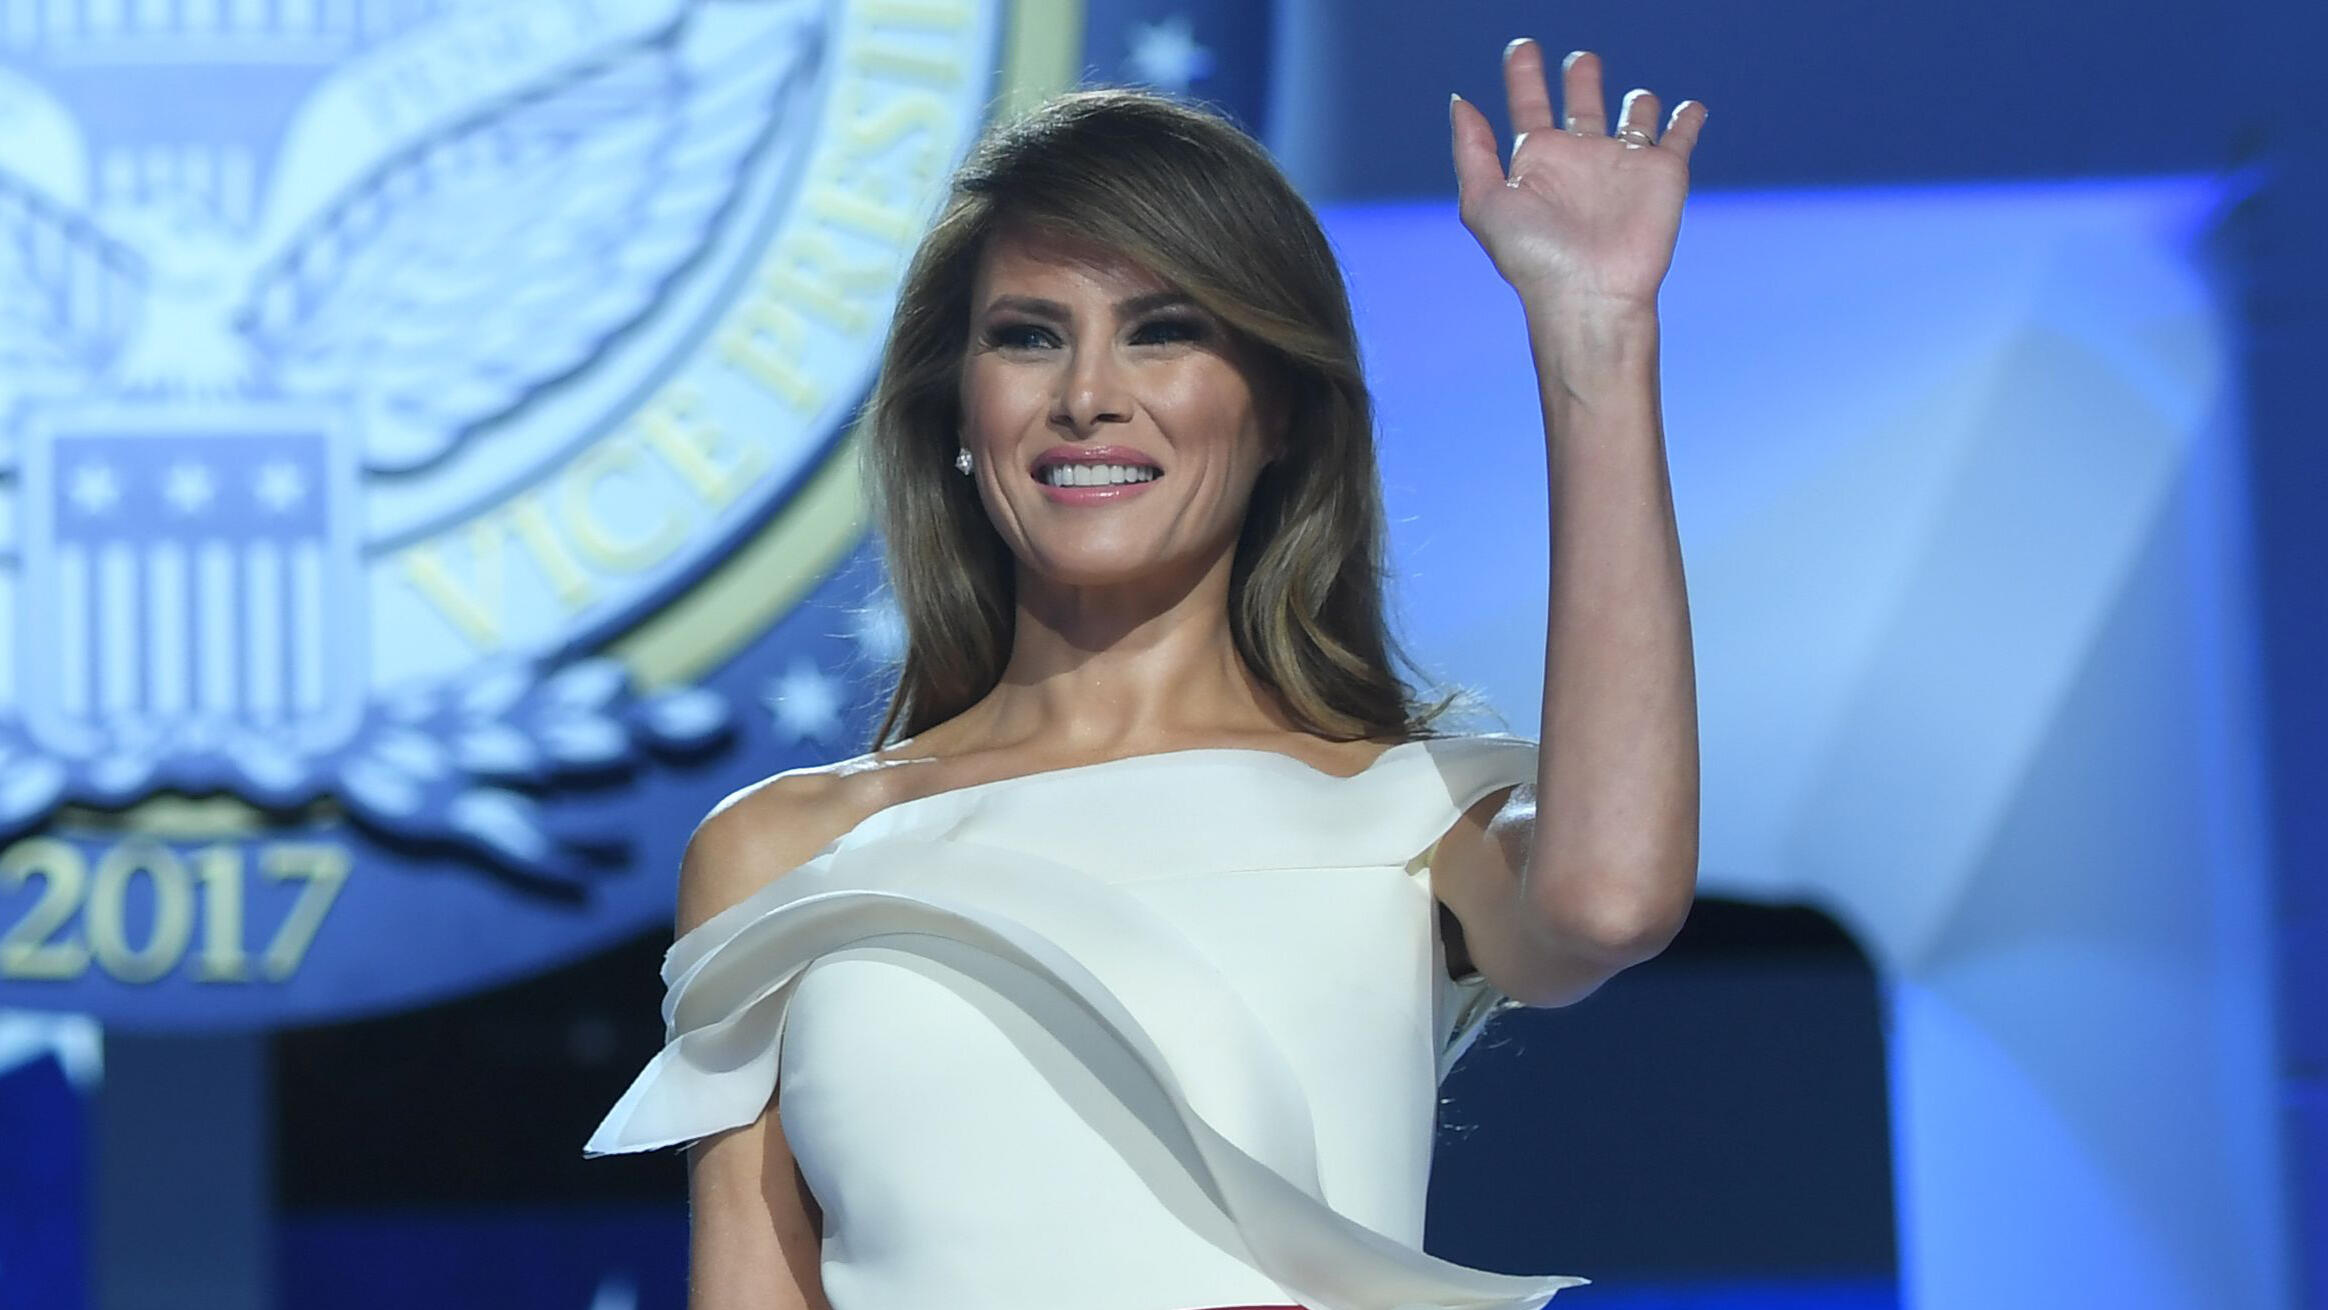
column 1242, row 1118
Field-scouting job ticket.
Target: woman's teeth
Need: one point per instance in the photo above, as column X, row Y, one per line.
column 1097, row 475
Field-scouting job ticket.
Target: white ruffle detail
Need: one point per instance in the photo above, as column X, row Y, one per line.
column 1223, row 1096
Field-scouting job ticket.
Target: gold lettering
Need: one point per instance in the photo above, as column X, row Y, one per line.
column 323, row 867
column 210, row 900
column 875, row 168
column 475, row 610
column 853, row 209
column 107, row 915
column 619, row 453
column 918, row 112
column 810, row 272
column 675, row 427
column 877, row 58
column 764, row 339
column 38, row 947
column 476, row 605
column 218, row 868
column 572, row 585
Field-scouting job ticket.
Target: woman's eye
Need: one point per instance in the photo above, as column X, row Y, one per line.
column 1018, row 336
column 1169, row 329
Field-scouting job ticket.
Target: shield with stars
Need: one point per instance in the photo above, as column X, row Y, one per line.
column 196, row 572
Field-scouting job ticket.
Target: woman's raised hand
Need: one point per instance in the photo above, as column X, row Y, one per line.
column 1583, row 216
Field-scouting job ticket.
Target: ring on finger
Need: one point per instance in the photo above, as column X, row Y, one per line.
column 1636, row 135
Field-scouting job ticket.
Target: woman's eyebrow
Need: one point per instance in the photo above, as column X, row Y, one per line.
column 1027, row 305
column 1128, row 308
column 1152, row 301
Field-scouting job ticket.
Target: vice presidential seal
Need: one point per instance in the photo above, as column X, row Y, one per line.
column 421, row 419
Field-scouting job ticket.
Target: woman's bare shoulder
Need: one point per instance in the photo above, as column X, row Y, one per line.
column 763, row 830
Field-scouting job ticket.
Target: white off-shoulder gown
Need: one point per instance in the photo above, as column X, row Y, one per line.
column 1156, row 1033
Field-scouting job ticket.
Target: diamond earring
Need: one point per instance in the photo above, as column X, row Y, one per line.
column 962, row 460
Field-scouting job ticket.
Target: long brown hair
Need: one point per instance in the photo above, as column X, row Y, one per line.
column 1182, row 191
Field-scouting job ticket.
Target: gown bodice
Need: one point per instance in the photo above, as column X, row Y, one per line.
column 1156, row 1033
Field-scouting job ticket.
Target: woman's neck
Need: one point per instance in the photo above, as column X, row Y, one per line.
column 1105, row 670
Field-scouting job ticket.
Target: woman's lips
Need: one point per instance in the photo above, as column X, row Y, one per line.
column 1096, row 495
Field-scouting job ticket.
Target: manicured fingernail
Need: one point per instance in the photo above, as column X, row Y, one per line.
column 1573, row 56
column 1517, row 42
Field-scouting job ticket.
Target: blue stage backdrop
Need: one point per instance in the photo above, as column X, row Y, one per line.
column 427, row 485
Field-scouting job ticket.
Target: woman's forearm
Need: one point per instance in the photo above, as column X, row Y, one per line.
column 1613, row 859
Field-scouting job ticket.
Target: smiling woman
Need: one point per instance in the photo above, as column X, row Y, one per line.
column 1160, row 906
column 1119, row 269
column 1111, row 366
column 1033, row 351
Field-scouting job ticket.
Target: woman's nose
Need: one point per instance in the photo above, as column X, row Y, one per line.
column 1092, row 391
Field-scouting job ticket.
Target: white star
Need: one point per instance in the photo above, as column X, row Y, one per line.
column 74, row 1039
column 94, row 488
column 279, row 485
column 615, row 1293
column 806, row 702
column 189, row 487
column 1166, row 54
column 878, row 627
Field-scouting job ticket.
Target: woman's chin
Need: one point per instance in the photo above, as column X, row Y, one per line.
column 1104, row 565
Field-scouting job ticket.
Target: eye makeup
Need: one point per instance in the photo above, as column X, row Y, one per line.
column 1167, row 329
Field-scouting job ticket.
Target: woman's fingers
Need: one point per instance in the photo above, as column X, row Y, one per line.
column 1580, row 94
column 1524, row 88
column 1681, row 131
column 1637, row 119
column 1477, row 165
column 1583, row 105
